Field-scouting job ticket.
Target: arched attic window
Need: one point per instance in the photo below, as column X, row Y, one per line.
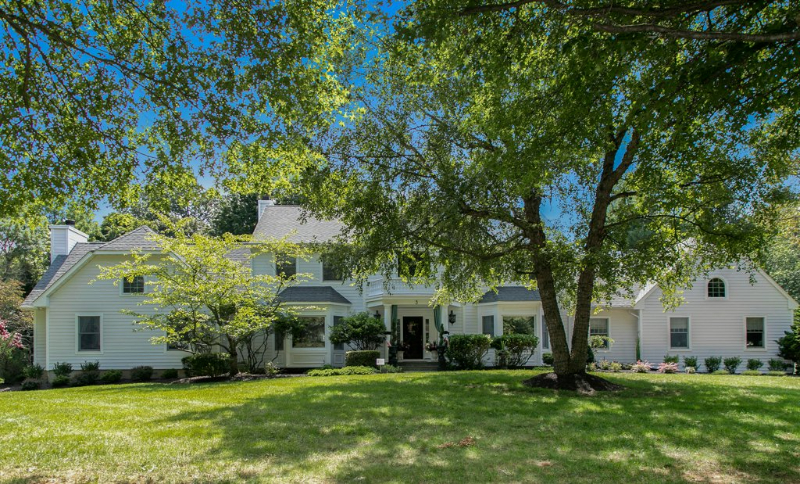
column 716, row 288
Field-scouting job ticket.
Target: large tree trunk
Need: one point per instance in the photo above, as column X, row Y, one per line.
column 569, row 363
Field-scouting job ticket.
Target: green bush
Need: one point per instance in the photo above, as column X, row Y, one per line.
column 361, row 331
column 90, row 373
column 721, row 372
column 777, row 364
column 361, row 358
column 466, row 351
column 690, row 361
column 33, row 372
column 30, row 385
column 616, row 366
column 789, row 344
column 169, row 374
column 516, row 346
column 62, row 369
column 547, row 359
column 751, row 373
column 111, row 376
column 271, row 369
column 671, row 359
column 754, row 364
column 347, row 370
column 604, row 364
column 391, row 369
column 732, row 363
column 206, row 364
column 776, row 373
column 60, row 381
column 712, row 363
column 142, row 373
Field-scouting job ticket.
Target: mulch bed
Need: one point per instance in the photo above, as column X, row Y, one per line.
column 239, row 377
column 583, row 383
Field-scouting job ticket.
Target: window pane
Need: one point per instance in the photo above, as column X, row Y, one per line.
column 679, row 340
column 90, row 342
column 599, row 327
column 679, row 332
column 286, row 265
column 331, row 272
column 488, row 325
column 89, row 324
column 279, row 337
column 133, row 286
column 545, row 335
column 337, row 320
column 519, row 325
column 314, row 334
column 755, row 332
column 716, row 288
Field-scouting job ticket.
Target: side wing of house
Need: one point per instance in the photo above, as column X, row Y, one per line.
column 723, row 315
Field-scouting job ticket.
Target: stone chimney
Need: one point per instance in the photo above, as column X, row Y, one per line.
column 64, row 237
column 263, row 204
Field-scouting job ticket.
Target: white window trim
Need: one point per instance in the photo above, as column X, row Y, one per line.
column 688, row 333
column 744, row 325
column 78, row 350
column 727, row 289
column 132, row 294
column 608, row 326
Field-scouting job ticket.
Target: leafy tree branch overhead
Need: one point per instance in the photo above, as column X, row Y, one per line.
column 776, row 21
column 523, row 146
column 99, row 95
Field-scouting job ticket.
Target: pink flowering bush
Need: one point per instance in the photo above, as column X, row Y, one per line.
column 668, row 368
column 8, row 341
column 641, row 366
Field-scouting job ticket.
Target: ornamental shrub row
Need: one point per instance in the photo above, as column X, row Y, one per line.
column 466, row 351
column 361, row 358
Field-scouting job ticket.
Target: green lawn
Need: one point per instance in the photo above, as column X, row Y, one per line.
column 396, row 428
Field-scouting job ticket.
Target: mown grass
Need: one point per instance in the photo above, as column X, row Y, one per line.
column 401, row 428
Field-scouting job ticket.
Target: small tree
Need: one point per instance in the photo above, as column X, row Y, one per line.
column 205, row 292
column 10, row 342
column 361, row 331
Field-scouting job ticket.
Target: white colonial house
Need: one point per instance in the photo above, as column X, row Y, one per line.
column 78, row 320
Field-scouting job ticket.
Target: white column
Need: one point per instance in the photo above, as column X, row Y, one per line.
column 387, row 321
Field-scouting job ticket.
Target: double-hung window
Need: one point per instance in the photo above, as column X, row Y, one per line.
column 679, row 333
column 488, row 325
column 286, row 265
column 599, row 327
column 313, row 335
column 755, row 329
column 90, row 333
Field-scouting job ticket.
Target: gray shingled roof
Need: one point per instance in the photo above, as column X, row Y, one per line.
column 510, row 294
column 60, row 265
column 312, row 294
column 138, row 239
column 278, row 221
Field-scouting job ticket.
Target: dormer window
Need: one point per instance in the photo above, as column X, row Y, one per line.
column 133, row 285
column 716, row 288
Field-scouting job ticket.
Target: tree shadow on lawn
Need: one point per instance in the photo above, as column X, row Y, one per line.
column 407, row 429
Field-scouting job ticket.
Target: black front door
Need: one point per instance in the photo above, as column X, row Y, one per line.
column 412, row 337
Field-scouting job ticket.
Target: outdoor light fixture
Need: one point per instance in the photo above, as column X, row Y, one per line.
column 451, row 318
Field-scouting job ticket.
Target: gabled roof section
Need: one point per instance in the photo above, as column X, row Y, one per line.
column 510, row 294
column 58, row 268
column 312, row 294
column 138, row 239
column 279, row 221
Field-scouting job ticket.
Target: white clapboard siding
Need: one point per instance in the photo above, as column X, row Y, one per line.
column 622, row 328
column 717, row 326
column 122, row 347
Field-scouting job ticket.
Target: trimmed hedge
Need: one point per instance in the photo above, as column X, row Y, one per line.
column 169, row 374
column 347, row 370
column 547, row 359
column 361, row 358
column 206, row 364
column 515, row 347
column 466, row 351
